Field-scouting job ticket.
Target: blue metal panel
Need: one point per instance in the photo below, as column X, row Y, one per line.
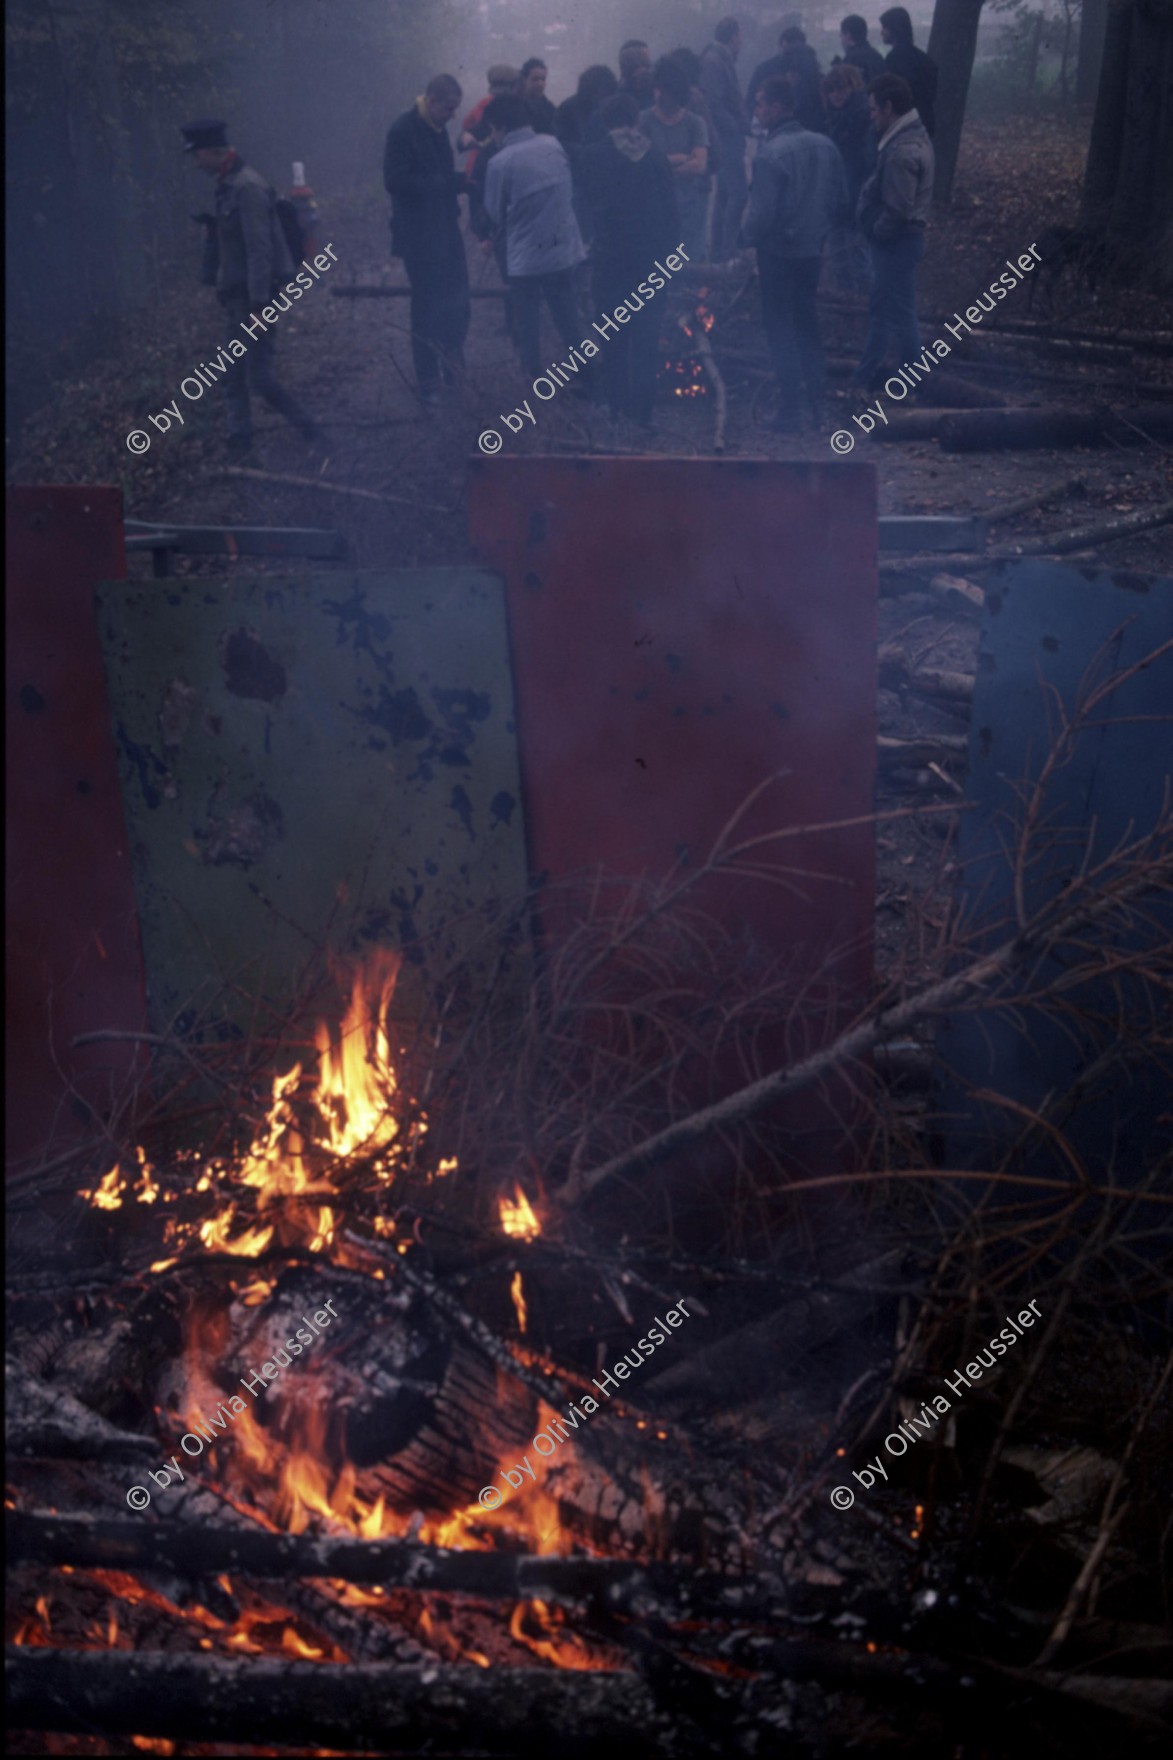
column 1052, row 631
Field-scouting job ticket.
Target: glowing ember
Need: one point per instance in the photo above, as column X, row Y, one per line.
column 107, row 1194
column 517, row 1217
column 518, row 1294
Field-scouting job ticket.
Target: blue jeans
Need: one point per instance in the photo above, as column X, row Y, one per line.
column 892, row 311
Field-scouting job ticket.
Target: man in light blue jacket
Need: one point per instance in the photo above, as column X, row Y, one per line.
column 528, row 198
column 799, row 195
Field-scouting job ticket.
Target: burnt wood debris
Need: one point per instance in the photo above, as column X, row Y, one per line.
column 590, row 897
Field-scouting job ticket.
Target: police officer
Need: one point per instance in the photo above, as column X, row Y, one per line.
column 246, row 258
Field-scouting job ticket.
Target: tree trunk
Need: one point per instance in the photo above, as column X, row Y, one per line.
column 1128, row 193
column 1093, row 23
column 1032, row 54
column 1018, row 430
column 952, row 43
column 1065, row 56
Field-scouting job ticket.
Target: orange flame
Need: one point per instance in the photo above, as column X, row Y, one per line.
column 107, row 1194
column 552, row 1642
column 517, row 1217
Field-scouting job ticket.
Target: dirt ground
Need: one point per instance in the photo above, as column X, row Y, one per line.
column 348, row 360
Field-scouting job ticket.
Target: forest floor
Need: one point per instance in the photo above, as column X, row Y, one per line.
column 348, row 360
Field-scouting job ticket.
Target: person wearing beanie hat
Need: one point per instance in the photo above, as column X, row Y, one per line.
column 246, row 259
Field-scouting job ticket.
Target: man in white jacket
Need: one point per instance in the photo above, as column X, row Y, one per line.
column 528, row 197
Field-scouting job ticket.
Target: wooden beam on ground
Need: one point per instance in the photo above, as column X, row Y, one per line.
column 922, row 532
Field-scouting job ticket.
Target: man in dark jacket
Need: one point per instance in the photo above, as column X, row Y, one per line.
column 628, row 187
column 857, row 51
column 572, row 120
column 798, row 195
column 912, row 65
column 420, row 176
column 893, row 211
column 720, row 86
column 849, row 125
column 796, row 58
column 246, row 259
column 533, row 90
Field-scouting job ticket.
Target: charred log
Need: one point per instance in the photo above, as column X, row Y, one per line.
column 49, row 1422
column 402, row 1710
column 418, row 1413
column 189, row 1550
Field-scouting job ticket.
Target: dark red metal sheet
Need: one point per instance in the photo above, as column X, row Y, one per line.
column 74, row 961
column 681, row 631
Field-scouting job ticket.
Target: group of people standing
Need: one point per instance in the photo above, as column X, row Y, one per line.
column 654, row 160
column 578, row 200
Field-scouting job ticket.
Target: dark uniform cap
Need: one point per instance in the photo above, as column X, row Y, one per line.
column 203, row 134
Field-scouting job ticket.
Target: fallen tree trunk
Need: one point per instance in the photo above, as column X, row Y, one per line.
column 1027, row 429
column 1085, row 537
column 1157, row 342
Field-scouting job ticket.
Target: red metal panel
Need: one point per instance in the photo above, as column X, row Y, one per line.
column 74, row 961
column 681, row 631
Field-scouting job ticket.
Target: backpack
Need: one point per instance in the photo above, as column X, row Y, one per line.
column 290, row 223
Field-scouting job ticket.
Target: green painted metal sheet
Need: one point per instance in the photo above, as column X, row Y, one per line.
column 310, row 761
